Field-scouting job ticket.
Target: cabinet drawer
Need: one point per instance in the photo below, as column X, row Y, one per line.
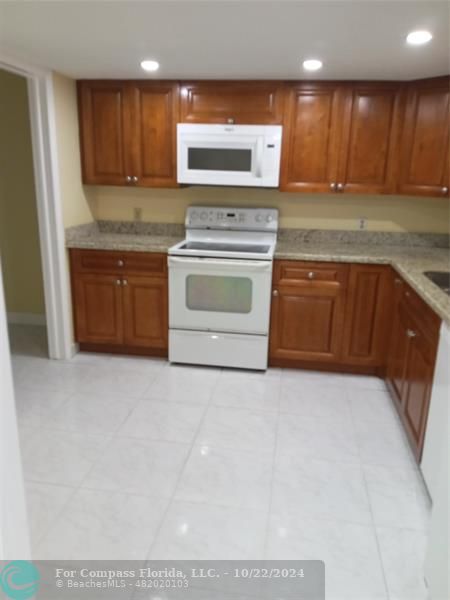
column 291, row 272
column 106, row 261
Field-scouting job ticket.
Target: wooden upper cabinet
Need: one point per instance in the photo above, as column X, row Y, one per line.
column 311, row 137
column 104, row 131
column 240, row 102
column 368, row 155
column 155, row 111
column 425, row 139
column 127, row 132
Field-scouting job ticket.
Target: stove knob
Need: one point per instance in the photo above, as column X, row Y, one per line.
column 269, row 218
column 203, row 215
column 259, row 217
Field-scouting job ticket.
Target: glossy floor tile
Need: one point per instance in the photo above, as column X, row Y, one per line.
column 134, row 458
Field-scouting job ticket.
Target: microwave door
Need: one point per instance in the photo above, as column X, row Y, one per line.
column 217, row 161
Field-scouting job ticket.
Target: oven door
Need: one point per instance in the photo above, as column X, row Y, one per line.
column 210, row 294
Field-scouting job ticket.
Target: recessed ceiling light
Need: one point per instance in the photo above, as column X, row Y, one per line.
column 312, row 64
column 416, row 38
column 150, row 65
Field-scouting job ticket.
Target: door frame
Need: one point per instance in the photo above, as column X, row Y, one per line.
column 49, row 206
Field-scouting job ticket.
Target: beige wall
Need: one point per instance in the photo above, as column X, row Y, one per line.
column 19, row 234
column 327, row 211
column 75, row 205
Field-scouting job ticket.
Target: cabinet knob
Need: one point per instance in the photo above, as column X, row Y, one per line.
column 118, row 282
column 275, row 293
column 311, row 275
column 445, row 190
column 120, row 263
column 128, row 178
column 333, row 186
column 410, row 333
column 397, row 281
column 124, row 282
column 230, row 121
column 340, row 187
column 134, row 179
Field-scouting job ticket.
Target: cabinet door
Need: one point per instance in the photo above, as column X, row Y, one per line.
column 369, row 151
column 419, row 377
column 240, row 102
column 105, row 128
column 145, row 312
column 155, row 114
column 366, row 323
column 311, row 138
column 398, row 354
column 308, row 311
column 425, row 140
column 97, row 301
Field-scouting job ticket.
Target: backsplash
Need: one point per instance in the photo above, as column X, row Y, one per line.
column 297, row 211
column 374, row 238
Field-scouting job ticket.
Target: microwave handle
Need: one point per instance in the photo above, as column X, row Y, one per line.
column 259, row 157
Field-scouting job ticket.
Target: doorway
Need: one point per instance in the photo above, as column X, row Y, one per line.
column 19, row 227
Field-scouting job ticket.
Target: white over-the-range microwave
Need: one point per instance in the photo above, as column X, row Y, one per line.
column 236, row 155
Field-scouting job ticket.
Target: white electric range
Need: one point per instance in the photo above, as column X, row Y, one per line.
column 220, row 281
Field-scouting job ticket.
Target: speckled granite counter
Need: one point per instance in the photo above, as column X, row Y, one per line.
column 410, row 261
column 159, row 237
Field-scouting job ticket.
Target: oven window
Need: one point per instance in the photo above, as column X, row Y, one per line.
column 220, row 159
column 219, row 293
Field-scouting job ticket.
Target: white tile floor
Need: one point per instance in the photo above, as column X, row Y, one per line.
column 134, row 458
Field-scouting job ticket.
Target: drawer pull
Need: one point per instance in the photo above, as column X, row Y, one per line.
column 311, row 275
column 275, row 293
column 120, row 263
column 410, row 333
column 398, row 281
column 118, row 282
column 124, row 282
column 445, row 190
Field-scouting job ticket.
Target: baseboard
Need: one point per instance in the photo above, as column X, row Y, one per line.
column 15, row 318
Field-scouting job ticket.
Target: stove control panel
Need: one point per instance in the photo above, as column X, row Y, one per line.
column 241, row 219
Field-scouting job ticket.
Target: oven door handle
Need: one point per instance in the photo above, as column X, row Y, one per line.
column 259, row 266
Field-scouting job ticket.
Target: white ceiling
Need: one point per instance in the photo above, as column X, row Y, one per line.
column 360, row 39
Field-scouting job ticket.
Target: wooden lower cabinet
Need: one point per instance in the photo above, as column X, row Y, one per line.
column 145, row 310
column 308, row 310
column 98, row 308
column 330, row 313
column 123, row 303
column 410, row 363
column 366, row 320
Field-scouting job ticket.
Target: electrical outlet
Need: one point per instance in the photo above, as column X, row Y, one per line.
column 362, row 223
column 137, row 214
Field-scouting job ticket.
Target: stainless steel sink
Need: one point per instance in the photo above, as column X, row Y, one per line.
column 441, row 279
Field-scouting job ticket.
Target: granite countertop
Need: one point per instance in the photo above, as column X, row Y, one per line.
column 409, row 256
